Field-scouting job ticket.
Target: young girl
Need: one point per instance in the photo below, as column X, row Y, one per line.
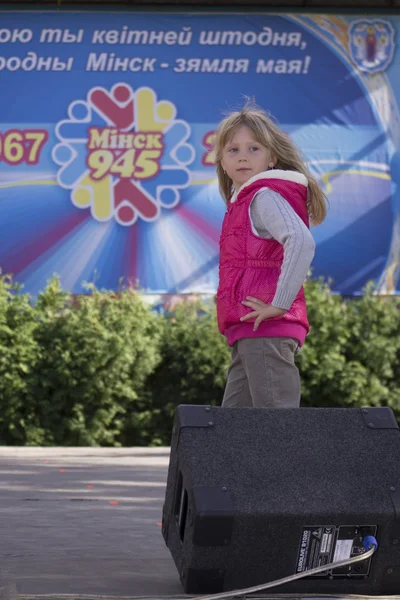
column 266, row 249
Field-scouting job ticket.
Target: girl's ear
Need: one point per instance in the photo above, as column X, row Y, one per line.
column 272, row 163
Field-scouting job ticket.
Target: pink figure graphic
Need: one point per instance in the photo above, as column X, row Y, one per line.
column 118, row 107
column 125, row 191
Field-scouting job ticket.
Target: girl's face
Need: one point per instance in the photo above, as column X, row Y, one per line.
column 243, row 157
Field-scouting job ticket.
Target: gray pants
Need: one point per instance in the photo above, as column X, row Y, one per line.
column 263, row 374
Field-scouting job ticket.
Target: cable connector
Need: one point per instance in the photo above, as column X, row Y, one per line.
column 370, row 542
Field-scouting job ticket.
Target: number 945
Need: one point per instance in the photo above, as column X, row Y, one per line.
column 132, row 164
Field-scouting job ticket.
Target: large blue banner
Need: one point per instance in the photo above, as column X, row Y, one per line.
column 107, row 121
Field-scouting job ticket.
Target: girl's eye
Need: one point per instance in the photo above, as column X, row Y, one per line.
column 232, row 149
column 254, row 148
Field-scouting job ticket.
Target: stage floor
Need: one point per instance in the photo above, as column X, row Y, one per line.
column 85, row 521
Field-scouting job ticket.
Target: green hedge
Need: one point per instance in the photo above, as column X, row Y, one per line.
column 71, row 372
column 105, row 370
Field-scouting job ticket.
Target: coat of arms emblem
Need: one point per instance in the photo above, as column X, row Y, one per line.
column 371, row 44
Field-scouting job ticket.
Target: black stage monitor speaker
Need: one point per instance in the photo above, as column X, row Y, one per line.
column 258, row 494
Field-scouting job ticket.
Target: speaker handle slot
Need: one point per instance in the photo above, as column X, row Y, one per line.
column 181, row 506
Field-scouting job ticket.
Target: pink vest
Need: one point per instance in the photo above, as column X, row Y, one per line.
column 250, row 265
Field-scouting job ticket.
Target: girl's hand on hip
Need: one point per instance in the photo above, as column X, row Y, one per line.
column 261, row 311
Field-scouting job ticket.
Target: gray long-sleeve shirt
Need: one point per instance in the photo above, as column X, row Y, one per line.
column 272, row 216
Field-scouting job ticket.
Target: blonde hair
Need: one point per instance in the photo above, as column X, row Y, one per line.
column 270, row 136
